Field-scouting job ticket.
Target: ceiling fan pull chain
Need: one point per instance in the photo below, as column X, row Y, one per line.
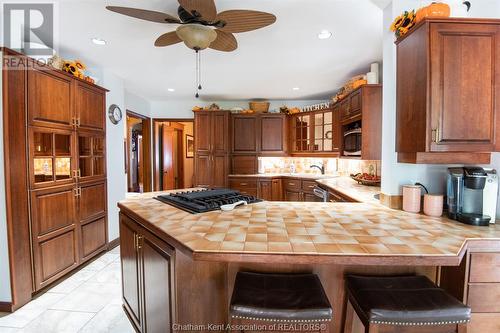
column 197, row 74
column 199, row 71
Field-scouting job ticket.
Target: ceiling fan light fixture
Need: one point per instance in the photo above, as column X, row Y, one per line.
column 196, row 36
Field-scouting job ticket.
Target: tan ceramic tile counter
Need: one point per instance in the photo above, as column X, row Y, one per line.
column 351, row 188
column 300, row 231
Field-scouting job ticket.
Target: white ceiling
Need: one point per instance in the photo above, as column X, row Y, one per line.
column 267, row 64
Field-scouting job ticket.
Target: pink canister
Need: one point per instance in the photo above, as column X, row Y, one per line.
column 433, row 204
column 411, row 198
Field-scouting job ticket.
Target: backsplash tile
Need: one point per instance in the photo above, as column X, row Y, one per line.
column 342, row 167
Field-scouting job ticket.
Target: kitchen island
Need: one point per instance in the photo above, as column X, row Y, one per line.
column 178, row 268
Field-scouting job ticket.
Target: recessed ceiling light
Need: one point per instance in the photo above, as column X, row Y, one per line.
column 171, row 89
column 98, row 41
column 295, row 88
column 324, row 34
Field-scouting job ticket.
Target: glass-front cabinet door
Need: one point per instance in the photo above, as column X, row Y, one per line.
column 91, row 155
column 51, row 160
column 302, row 133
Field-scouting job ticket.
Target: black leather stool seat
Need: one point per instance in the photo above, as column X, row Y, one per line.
column 279, row 297
column 405, row 300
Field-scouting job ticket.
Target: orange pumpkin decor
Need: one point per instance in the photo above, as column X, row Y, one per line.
column 435, row 9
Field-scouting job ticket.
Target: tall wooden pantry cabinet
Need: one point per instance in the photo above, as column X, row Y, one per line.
column 55, row 164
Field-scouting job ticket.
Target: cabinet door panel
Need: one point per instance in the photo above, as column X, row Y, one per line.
column 272, row 134
column 93, row 237
column 292, row 196
column 90, row 105
column 203, row 170
column 244, row 134
column 220, row 132
column 52, row 209
column 49, row 99
column 265, row 190
column 56, row 255
column 464, row 67
column 130, row 269
column 92, row 201
column 202, row 132
column 244, row 164
column 277, row 190
column 219, row 167
column 157, row 270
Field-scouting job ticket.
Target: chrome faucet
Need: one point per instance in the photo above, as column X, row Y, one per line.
column 321, row 168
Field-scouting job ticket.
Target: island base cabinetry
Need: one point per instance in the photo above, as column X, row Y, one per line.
column 148, row 271
column 163, row 290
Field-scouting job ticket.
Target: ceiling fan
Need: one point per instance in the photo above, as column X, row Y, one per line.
column 200, row 26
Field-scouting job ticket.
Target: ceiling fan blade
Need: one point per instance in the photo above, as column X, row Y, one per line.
column 144, row 14
column 225, row 41
column 167, row 39
column 204, row 8
column 244, row 20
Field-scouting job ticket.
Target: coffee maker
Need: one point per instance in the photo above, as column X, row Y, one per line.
column 472, row 195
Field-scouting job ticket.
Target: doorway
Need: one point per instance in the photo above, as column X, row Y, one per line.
column 138, row 153
column 173, row 158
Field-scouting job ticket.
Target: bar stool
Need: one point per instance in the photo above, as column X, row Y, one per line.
column 403, row 304
column 279, row 303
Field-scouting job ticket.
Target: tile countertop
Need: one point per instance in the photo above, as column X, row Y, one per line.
column 352, row 189
column 287, row 175
column 298, row 232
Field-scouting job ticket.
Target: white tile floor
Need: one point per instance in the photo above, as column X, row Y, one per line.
column 88, row 301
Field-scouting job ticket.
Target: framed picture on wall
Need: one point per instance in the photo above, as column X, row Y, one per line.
column 189, row 146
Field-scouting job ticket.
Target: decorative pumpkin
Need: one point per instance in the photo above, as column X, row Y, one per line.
column 435, row 9
column 403, row 23
column 438, row 9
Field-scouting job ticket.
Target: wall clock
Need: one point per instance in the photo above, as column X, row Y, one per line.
column 115, row 113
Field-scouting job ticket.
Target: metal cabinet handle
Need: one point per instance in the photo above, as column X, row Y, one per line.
column 243, row 184
column 291, row 184
column 140, row 239
column 78, row 122
column 79, row 191
column 75, row 191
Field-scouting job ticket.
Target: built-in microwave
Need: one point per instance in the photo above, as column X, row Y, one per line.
column 352, row 142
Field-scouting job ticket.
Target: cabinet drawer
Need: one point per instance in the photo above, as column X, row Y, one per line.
column 483, row 297
column 247, row 191
column 484, row 322
column 293, row 185
column 485, row 267
column 308, row 186
column 243, row 183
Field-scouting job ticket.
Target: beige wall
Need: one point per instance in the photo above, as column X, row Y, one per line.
column 188, row 162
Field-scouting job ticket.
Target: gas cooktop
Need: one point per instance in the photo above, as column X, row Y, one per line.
column 201, row 201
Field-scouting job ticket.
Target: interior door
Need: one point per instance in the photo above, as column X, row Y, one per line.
column 168, row 154
column 464, row 66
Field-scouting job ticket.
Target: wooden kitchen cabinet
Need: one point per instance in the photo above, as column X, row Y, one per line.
column 49, row 98
column 316, row 132
column 90, row 107
column 273, row 134
column 147, row 261
column 449, row 111
column 211, row 160
column 245, row 132
column 265, row 190
column 363, row 108
column 476, row 282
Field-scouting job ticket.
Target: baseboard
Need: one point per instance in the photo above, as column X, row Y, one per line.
column 114, row 243
column 391, row 201
column 6, row 307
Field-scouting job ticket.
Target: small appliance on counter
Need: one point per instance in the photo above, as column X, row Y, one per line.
column 201, row 201
column 472, row 195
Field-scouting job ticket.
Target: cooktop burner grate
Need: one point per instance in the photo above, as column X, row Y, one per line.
column 202, row 201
